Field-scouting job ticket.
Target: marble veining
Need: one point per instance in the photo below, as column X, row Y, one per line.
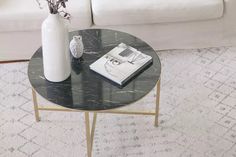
column 86, row 90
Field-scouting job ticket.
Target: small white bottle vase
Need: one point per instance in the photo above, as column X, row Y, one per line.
column 76, row 46
column 55, row 47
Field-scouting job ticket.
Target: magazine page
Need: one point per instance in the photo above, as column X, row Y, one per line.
column 121, row 63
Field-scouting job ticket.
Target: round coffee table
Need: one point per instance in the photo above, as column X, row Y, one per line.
column 87, row 91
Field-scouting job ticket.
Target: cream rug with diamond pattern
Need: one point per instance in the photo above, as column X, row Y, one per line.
column 198, row 114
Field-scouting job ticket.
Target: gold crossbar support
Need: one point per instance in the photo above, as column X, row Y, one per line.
column 90, row 133
column 46, row 108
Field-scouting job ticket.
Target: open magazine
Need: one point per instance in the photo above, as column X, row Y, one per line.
column 121, row 63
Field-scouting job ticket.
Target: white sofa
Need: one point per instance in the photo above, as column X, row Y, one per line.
column 164, row 24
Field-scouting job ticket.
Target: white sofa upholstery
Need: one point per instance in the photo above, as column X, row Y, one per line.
column 21, row 23
column 108, row 12
column 26, row 15
column 164, row 24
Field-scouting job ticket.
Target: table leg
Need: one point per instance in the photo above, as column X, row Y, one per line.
column 36, row 111
column 157, row 103
column 93, row 128
column 88, row 136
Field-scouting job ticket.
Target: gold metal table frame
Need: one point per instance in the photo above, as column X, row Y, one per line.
column 90, row 133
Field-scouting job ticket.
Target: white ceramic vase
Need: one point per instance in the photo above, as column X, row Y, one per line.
column 55, row 47
column 77, row 46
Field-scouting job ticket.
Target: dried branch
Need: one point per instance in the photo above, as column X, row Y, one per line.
column 40, row 6
column 65, row 14
column 56, row 6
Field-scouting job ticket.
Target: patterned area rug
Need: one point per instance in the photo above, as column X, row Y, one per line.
column 198, row 114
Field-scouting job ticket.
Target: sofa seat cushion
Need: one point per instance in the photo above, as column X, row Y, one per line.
column 120, row 12
column 25, row 15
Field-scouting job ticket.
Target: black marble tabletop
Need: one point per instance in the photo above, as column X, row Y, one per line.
column 86, row 90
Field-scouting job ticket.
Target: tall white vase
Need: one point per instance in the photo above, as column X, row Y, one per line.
column 55, row 47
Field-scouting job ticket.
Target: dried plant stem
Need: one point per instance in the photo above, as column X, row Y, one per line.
column 39, row 4
column 55, row 7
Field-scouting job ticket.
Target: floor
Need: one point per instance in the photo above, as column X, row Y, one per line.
column 198, row 114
